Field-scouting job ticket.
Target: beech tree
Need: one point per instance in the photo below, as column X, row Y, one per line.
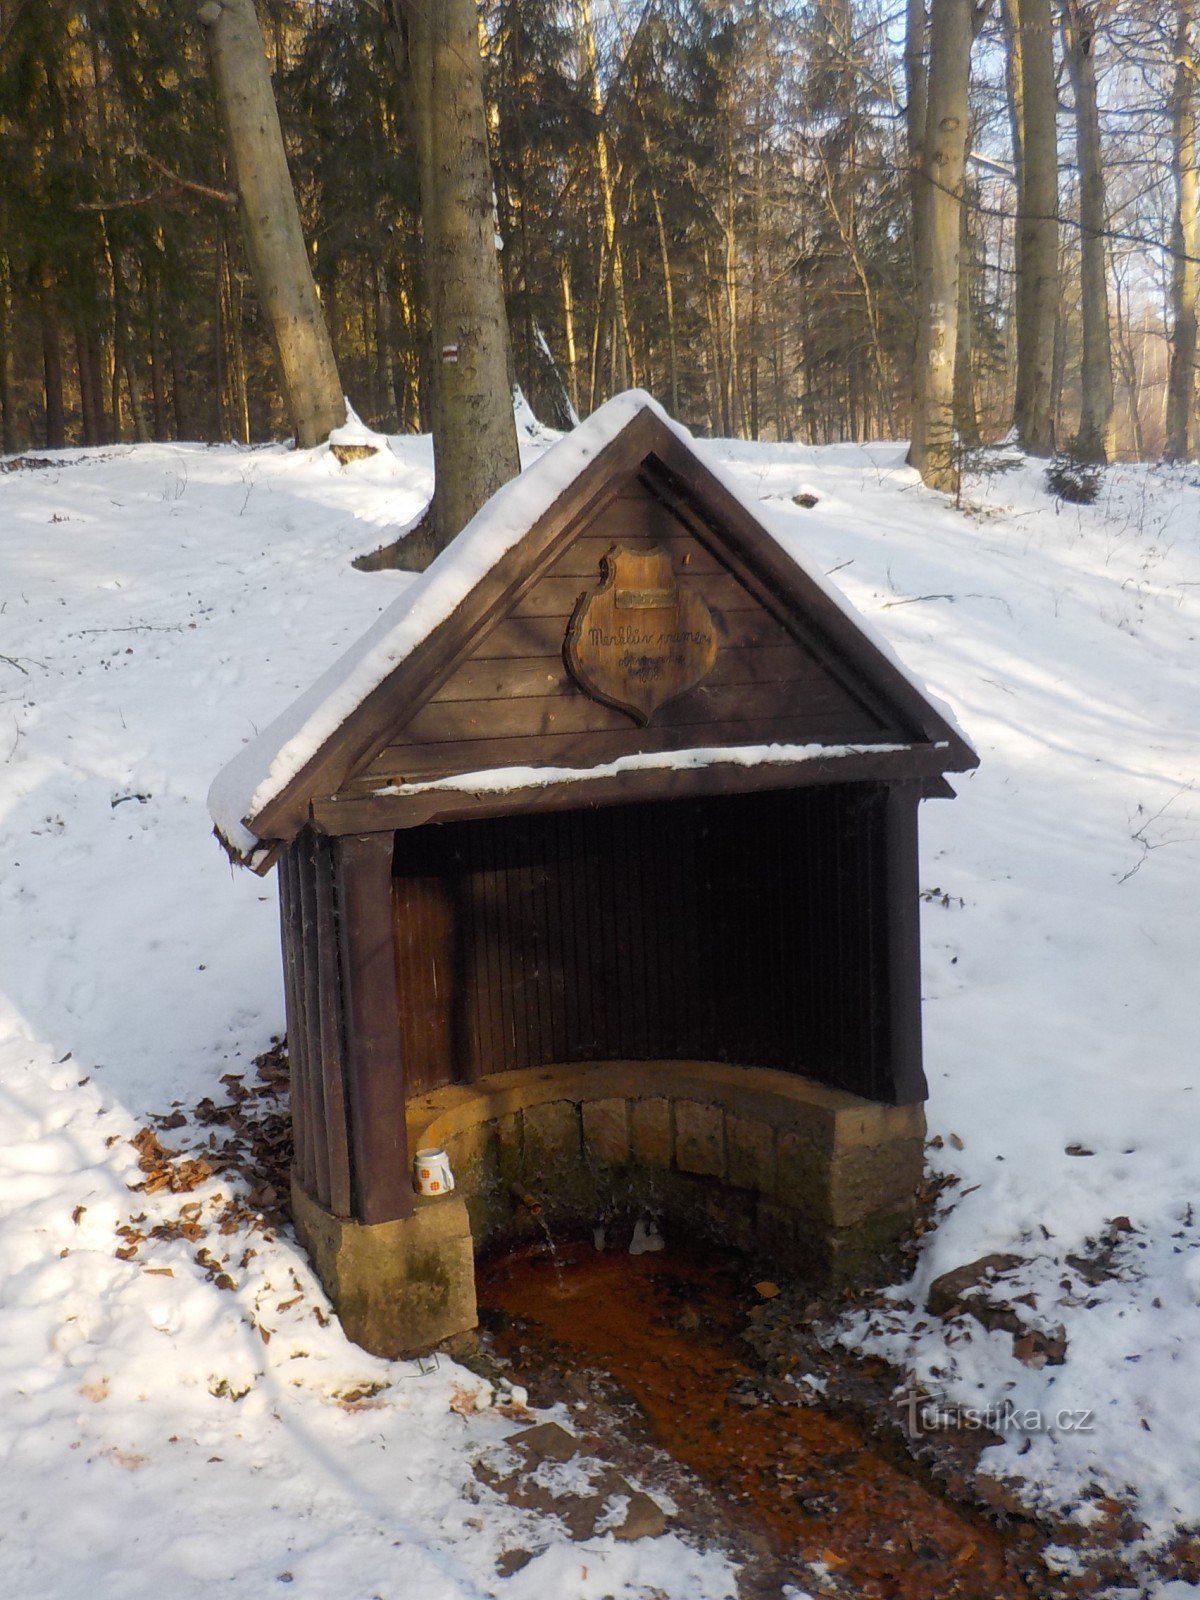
column 474, row 432
column 952, row 27
column 1034, row 112
column 270, row 220
column 1094, row 440
column 1185, row 236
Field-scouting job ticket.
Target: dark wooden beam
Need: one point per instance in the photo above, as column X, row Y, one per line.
column 382, row 1179
column 354, row 814
column 904, row 944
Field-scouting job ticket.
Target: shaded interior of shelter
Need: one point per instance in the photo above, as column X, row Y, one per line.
column 751, row 929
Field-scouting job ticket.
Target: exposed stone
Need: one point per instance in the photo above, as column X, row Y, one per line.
column 802, row 1179
column 546, row 1441
column 509, row 1151
column 650, row 1131
column 699, row 1138
column 644, row 1518
column 750, row 1153
column 551, row 1138
column 868, row 1178
column 606, row 1131
column 950, row 1289
column 400, row 1288
column 346, row 453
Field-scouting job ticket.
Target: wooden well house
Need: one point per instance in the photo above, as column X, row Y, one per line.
column 598, row 869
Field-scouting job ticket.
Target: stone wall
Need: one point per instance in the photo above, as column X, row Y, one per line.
column 809, row 1177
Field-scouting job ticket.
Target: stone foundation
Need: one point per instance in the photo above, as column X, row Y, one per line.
column 400, row 1288
column 805, row 1178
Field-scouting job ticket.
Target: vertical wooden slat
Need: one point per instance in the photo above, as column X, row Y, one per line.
column 333, row 1065
column 907, row 1076
column 374, row 1069
column 297, row 1021
column 305, row 850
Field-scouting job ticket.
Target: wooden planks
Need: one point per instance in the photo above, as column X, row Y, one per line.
column 312, row 988
column 512, row 701
column 382, row 1181
column 547, row 746
column 752, row 929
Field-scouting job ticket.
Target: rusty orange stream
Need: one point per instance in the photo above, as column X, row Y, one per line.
column 809, row 1480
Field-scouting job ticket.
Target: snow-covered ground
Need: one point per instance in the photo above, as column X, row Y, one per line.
column 163, row 1431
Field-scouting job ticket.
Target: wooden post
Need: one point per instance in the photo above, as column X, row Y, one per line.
column 382, row 1180
column 904, row 945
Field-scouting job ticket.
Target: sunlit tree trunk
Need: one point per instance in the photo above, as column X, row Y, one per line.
column 474, row 434
column 1035, row 137
column 270, row 220
column 1094, row 441
column 1185, row 241
column 938, row 242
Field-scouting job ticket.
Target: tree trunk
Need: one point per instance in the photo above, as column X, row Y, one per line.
column 474, row 433
column 1034, row 114
column 938, row 229
column 966, row 413
column 1094, row 440
column 1185, row 241
column 271, row 222
column 52, row 363
column 7, row 428
column 916, row 80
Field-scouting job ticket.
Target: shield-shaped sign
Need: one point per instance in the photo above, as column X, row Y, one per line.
column 640, row 638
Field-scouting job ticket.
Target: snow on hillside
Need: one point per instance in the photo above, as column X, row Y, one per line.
column 162, row 1430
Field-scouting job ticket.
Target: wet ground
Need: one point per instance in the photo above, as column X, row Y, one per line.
column 833, row 1509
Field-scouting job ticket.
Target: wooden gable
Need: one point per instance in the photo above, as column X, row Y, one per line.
column 490, row 687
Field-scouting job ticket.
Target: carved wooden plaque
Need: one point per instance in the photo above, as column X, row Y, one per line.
column 639, row 639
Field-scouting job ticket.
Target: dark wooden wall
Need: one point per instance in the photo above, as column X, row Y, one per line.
column 513, row 701
column 775, row 929
column 314, row 1000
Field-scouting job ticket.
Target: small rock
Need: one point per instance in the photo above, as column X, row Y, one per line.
column 510, row 1561
column 766, row 1289
column 644, row 1518
column 346, row 453
column 1038, row 1348
column 948, row 1290
column 805, row 499
column 547, row 1441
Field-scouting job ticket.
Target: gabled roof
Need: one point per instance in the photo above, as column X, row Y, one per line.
column 322, row 746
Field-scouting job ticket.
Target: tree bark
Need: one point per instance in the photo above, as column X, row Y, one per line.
column 52, row 362
column 1185, row 240
column 1094, row 440
column 474, row 433
column 1034, row 115
column 938, row 231
column 270, row 220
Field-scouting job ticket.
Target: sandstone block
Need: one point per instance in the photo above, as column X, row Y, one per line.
column 606, row 1131
column 650, row 1131
column 750, row 1153
column 400, row 1288
column 699, row 1138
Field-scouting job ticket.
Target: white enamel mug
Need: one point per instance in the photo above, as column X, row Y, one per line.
column 431, row 1172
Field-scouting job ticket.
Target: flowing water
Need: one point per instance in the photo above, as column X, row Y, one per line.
column 666, row 1329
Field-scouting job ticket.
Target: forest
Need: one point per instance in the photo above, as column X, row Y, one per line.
column 770, row 213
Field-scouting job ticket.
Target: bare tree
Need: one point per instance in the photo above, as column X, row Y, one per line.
column 1032, row 88
column 1185, row 237
column 271, row 221
column 474, row 433
column 1094, row 440
column 952, row 28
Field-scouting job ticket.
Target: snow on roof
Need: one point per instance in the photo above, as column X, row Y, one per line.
column 263, row 767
